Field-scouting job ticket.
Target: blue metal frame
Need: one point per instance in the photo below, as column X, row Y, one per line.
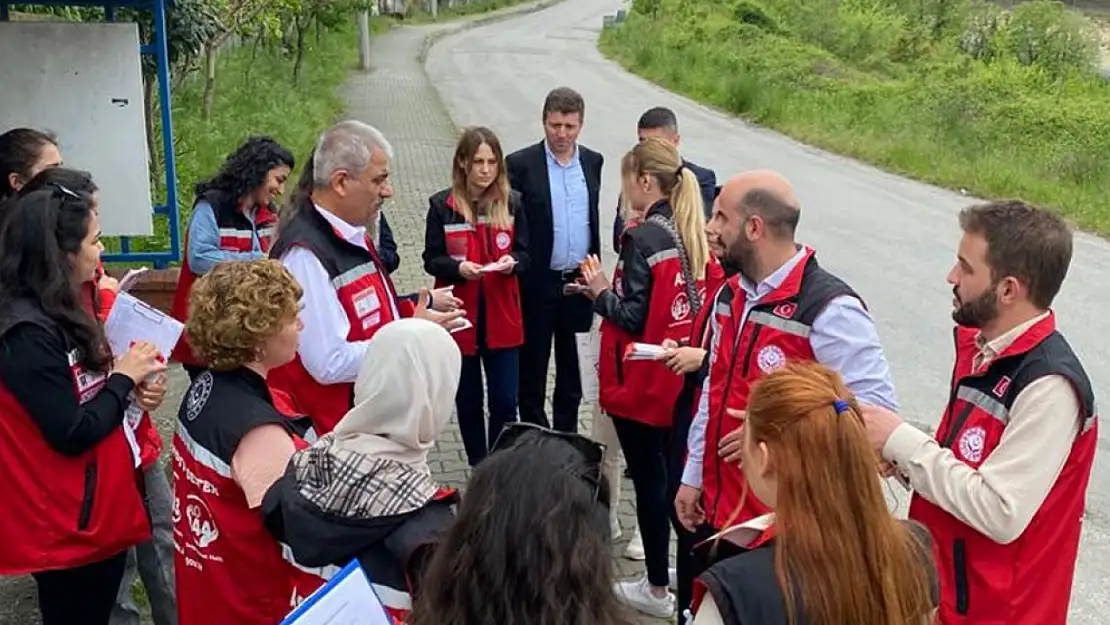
column 158, row 48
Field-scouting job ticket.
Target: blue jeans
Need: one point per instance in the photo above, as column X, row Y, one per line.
column 502, row 375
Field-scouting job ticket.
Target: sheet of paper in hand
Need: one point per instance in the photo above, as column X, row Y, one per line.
column 347, row 599
column 588, row 348
column 132, row 320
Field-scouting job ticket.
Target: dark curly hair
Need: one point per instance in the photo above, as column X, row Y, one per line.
column 245, row 169
column 38, row 238
column 531, row 544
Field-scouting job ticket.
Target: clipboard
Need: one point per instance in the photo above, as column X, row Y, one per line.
column 347, row 599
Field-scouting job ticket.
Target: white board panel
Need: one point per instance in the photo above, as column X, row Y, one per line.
column 84, row 83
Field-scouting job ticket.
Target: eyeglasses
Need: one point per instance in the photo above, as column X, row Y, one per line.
column 592, row 451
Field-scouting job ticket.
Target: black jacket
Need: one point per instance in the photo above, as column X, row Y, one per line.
column 629, row 310
column 707, row 182
column 437, row 262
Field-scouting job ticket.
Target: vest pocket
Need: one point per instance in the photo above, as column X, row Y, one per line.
column 959, row 563
column 87, row 499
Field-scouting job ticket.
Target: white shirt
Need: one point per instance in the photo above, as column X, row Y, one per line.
column 325, row 352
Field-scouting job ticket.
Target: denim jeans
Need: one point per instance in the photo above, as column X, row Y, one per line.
column 153, row 559
column 502, row 375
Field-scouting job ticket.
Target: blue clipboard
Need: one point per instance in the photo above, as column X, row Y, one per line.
column 297, row 616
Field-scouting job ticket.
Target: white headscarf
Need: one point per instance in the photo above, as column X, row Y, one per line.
column 404, row 394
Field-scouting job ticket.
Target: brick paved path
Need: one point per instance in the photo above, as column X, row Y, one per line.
column 398, row 98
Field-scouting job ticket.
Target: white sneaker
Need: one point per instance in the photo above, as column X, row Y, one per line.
column 637, row 594
column 635, row 548
column 615, row 527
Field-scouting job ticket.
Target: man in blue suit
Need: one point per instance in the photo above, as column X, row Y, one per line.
column 661, row 122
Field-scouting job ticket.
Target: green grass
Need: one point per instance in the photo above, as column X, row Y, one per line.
column 873, row 80
column 253, row 97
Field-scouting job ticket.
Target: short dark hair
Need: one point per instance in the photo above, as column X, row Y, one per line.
column 564, row 100
column 1027, row 242
column 658, row 117
column 781, row 217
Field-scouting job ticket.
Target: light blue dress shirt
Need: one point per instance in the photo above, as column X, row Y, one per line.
column 843, row 338
column 570, row 211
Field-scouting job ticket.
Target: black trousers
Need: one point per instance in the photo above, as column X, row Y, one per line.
column 645, row 451
column 80, row 596
column 688, row 564
column 551, row 318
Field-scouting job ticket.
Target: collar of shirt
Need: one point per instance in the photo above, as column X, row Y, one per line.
column 355, row 235
column 755, row 292
column 989, row 350
column 551, row 158
column 744, row 534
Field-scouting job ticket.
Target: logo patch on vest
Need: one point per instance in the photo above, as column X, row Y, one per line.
column 198, row 395
column 972, row 442
column 366, row 302
column 771, row 357
column 786, row 310
column 1000, row 389
column 503, row 240
column 680, row 307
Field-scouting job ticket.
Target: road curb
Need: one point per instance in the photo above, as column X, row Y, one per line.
column 461, row 26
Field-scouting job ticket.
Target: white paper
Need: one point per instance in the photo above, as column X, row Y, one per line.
column 496, row 266
column 644, row 351
column 347, row 599
column 130, row 321
column 131, row 278
column 462, row 326
column 588, row 344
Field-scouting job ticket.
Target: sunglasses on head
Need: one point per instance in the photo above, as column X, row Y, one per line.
column 64, row 191
column 592, row 451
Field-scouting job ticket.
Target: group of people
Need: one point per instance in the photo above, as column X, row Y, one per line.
column 758, row 430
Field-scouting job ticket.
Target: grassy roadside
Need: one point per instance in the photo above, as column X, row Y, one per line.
column 254, row 97
column 947, row 91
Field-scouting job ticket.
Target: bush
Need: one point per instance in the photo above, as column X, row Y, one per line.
column 950, row 91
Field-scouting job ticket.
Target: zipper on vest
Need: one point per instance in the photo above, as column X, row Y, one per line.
column 85, row 516
column 957, row 424
column 620, row 363
column 748, row 351
column 959, row 563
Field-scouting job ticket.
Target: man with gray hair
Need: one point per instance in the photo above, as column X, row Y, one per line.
column 348, row 294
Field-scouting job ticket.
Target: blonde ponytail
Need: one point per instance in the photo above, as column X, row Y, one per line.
column 689, row 220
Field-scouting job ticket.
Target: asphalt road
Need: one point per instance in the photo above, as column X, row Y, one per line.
column 892, row 238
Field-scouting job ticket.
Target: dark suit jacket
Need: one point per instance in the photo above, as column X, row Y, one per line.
column 707, row 181
column 527, row 169
column 387, row 246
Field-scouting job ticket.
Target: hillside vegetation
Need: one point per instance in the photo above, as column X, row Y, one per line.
column 955, row 92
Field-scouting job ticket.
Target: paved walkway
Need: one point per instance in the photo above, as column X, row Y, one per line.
column 399, row 99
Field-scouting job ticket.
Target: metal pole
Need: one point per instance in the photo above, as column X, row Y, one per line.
column 364, row 40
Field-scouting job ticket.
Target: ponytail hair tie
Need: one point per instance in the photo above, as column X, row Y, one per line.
column 841, row 406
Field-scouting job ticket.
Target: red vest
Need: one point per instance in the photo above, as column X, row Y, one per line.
column 367, row 295
column 775, row 331
column 499, row 293
column 645, row 390
column 230, row 570
column 1028, row 581
column 236, row 235
column 63, row 512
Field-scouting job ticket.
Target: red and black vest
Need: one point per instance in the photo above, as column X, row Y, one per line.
column 63, row 512
column 230, row 570
column 367, row 295
column 237, row 234
column 1028, row 581
column 482, row 243
column 645, row 390
column 775, row 331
